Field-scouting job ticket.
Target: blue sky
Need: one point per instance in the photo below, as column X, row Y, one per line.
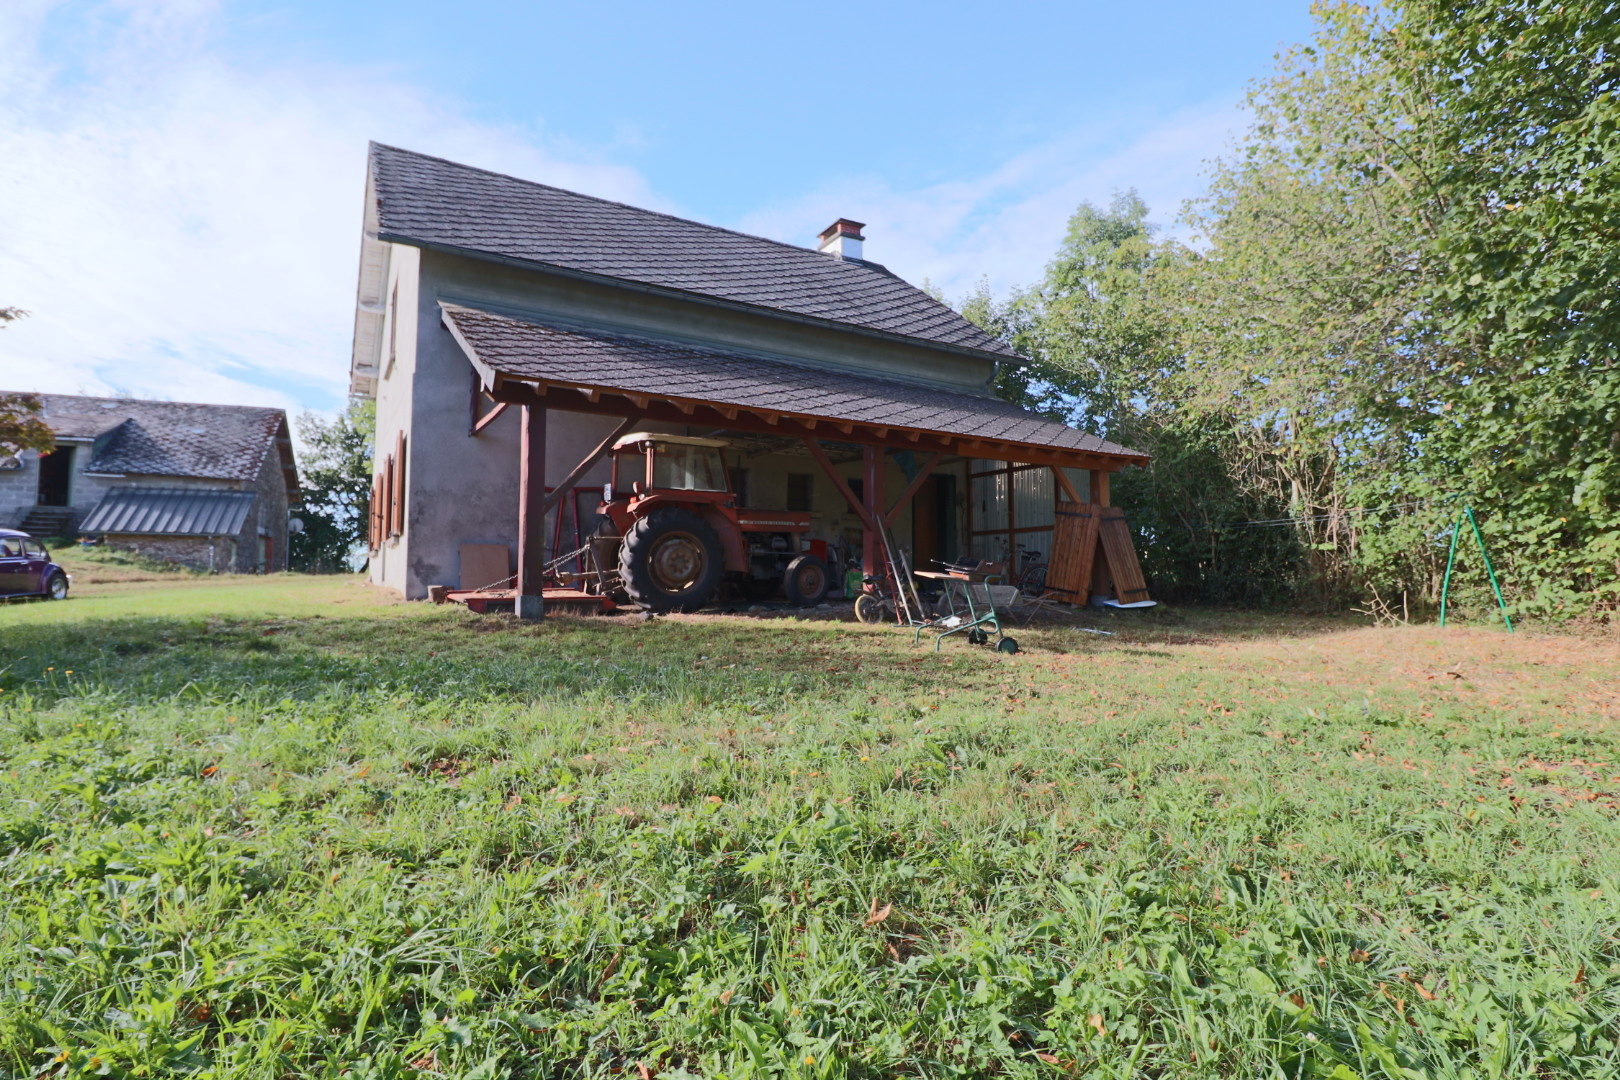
column 182, row 178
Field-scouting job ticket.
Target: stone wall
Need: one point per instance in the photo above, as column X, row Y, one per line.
column 196, row 552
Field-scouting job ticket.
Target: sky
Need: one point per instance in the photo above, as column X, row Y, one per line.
column 181, row 180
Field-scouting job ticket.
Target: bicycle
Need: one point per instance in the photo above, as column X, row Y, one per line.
column 1031, row 576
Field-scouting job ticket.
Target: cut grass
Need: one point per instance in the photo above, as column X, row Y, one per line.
column 282, row 827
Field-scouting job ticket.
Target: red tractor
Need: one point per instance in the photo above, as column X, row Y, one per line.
column 681, row 532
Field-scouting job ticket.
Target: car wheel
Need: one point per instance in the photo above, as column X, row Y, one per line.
column 670, row 561
column 57, row 587
column 806, row 581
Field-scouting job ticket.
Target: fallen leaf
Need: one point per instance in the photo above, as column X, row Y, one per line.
column 1096, row 1021
column 1580, row 975
column 877, row 914
column 1359, row 956
column 364, row 769
column 210, row 770
column 642, row 1071
column 513, row 803
column 725, row 998
column 1298, row 999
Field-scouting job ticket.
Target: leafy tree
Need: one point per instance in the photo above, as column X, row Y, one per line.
column 20, row 425
column 1400, row 295
column 1528, row 284
column 336, row 473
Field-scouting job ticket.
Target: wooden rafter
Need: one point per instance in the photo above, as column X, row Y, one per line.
column 840, row 483
column 912, row 488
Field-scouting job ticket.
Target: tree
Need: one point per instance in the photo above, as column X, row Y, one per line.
column 20, row 425
column 335, row 467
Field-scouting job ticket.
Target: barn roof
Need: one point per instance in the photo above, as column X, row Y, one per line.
column 172, row 438
column 531, row 349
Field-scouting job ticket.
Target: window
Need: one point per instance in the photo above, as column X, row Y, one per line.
column 739, row 485
column 857, row 488
column 800, row 489
column 683, row 467
column 10, row 548
column 34, row 549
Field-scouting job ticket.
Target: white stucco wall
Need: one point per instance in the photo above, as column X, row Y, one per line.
column 463, row 489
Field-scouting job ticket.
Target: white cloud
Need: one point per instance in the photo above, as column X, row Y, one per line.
column 1006, row 223
column 185, row 224
column 180, row 226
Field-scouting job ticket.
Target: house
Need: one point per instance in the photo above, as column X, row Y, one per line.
column 207, row 486
column 509, row 329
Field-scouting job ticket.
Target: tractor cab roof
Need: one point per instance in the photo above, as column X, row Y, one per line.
column 637, row 437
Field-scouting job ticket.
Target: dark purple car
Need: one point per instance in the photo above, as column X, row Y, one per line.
column 26, row 568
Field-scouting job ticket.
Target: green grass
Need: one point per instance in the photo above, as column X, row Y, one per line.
column 282, row 828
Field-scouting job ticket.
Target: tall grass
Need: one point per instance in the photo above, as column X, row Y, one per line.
column 395, row 843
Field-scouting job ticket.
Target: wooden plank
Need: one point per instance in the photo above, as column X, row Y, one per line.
column 484, row 566
column 1074, row 548
column 1129, row 585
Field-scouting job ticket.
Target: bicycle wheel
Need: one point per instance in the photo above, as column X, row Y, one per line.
column 872, row 610
column 1033, row 583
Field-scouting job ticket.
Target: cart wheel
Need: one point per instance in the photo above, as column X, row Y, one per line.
column 1007, row 645
column 869, row 609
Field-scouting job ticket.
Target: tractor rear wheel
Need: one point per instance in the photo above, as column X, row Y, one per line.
column 670, row 561
column 806, row 581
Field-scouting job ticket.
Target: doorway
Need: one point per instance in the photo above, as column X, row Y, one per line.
column 56, row 477
column 933, row 523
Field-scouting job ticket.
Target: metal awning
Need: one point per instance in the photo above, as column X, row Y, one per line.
column 142, row 511
column 530, row 361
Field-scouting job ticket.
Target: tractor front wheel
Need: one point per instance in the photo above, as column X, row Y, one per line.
column 670, row 561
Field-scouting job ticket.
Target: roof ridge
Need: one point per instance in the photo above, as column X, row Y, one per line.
column 862, row 263
column 149, row 401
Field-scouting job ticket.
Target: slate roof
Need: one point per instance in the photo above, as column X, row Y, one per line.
column 533, row 349
column 172, row 438
column 429, row 200
column 146, row 511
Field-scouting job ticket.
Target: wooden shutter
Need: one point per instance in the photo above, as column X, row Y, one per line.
column 1074, row 548
column 396, row 506
column 1129, row 585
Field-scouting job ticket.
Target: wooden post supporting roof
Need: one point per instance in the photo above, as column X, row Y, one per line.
column 872, row 489
column 1099, row 486
column 532, row 515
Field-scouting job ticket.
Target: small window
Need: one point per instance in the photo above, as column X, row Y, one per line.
column 857, row 488
column 35, row 549
column 800, row 487
column 10, row 548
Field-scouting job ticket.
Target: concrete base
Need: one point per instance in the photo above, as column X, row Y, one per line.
column 530, row 607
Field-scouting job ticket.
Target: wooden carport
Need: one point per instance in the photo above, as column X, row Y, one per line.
column 537, row 365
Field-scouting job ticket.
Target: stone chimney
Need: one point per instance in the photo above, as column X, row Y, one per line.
column 842, row 238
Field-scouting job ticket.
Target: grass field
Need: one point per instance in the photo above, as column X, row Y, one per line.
column 282, row 827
